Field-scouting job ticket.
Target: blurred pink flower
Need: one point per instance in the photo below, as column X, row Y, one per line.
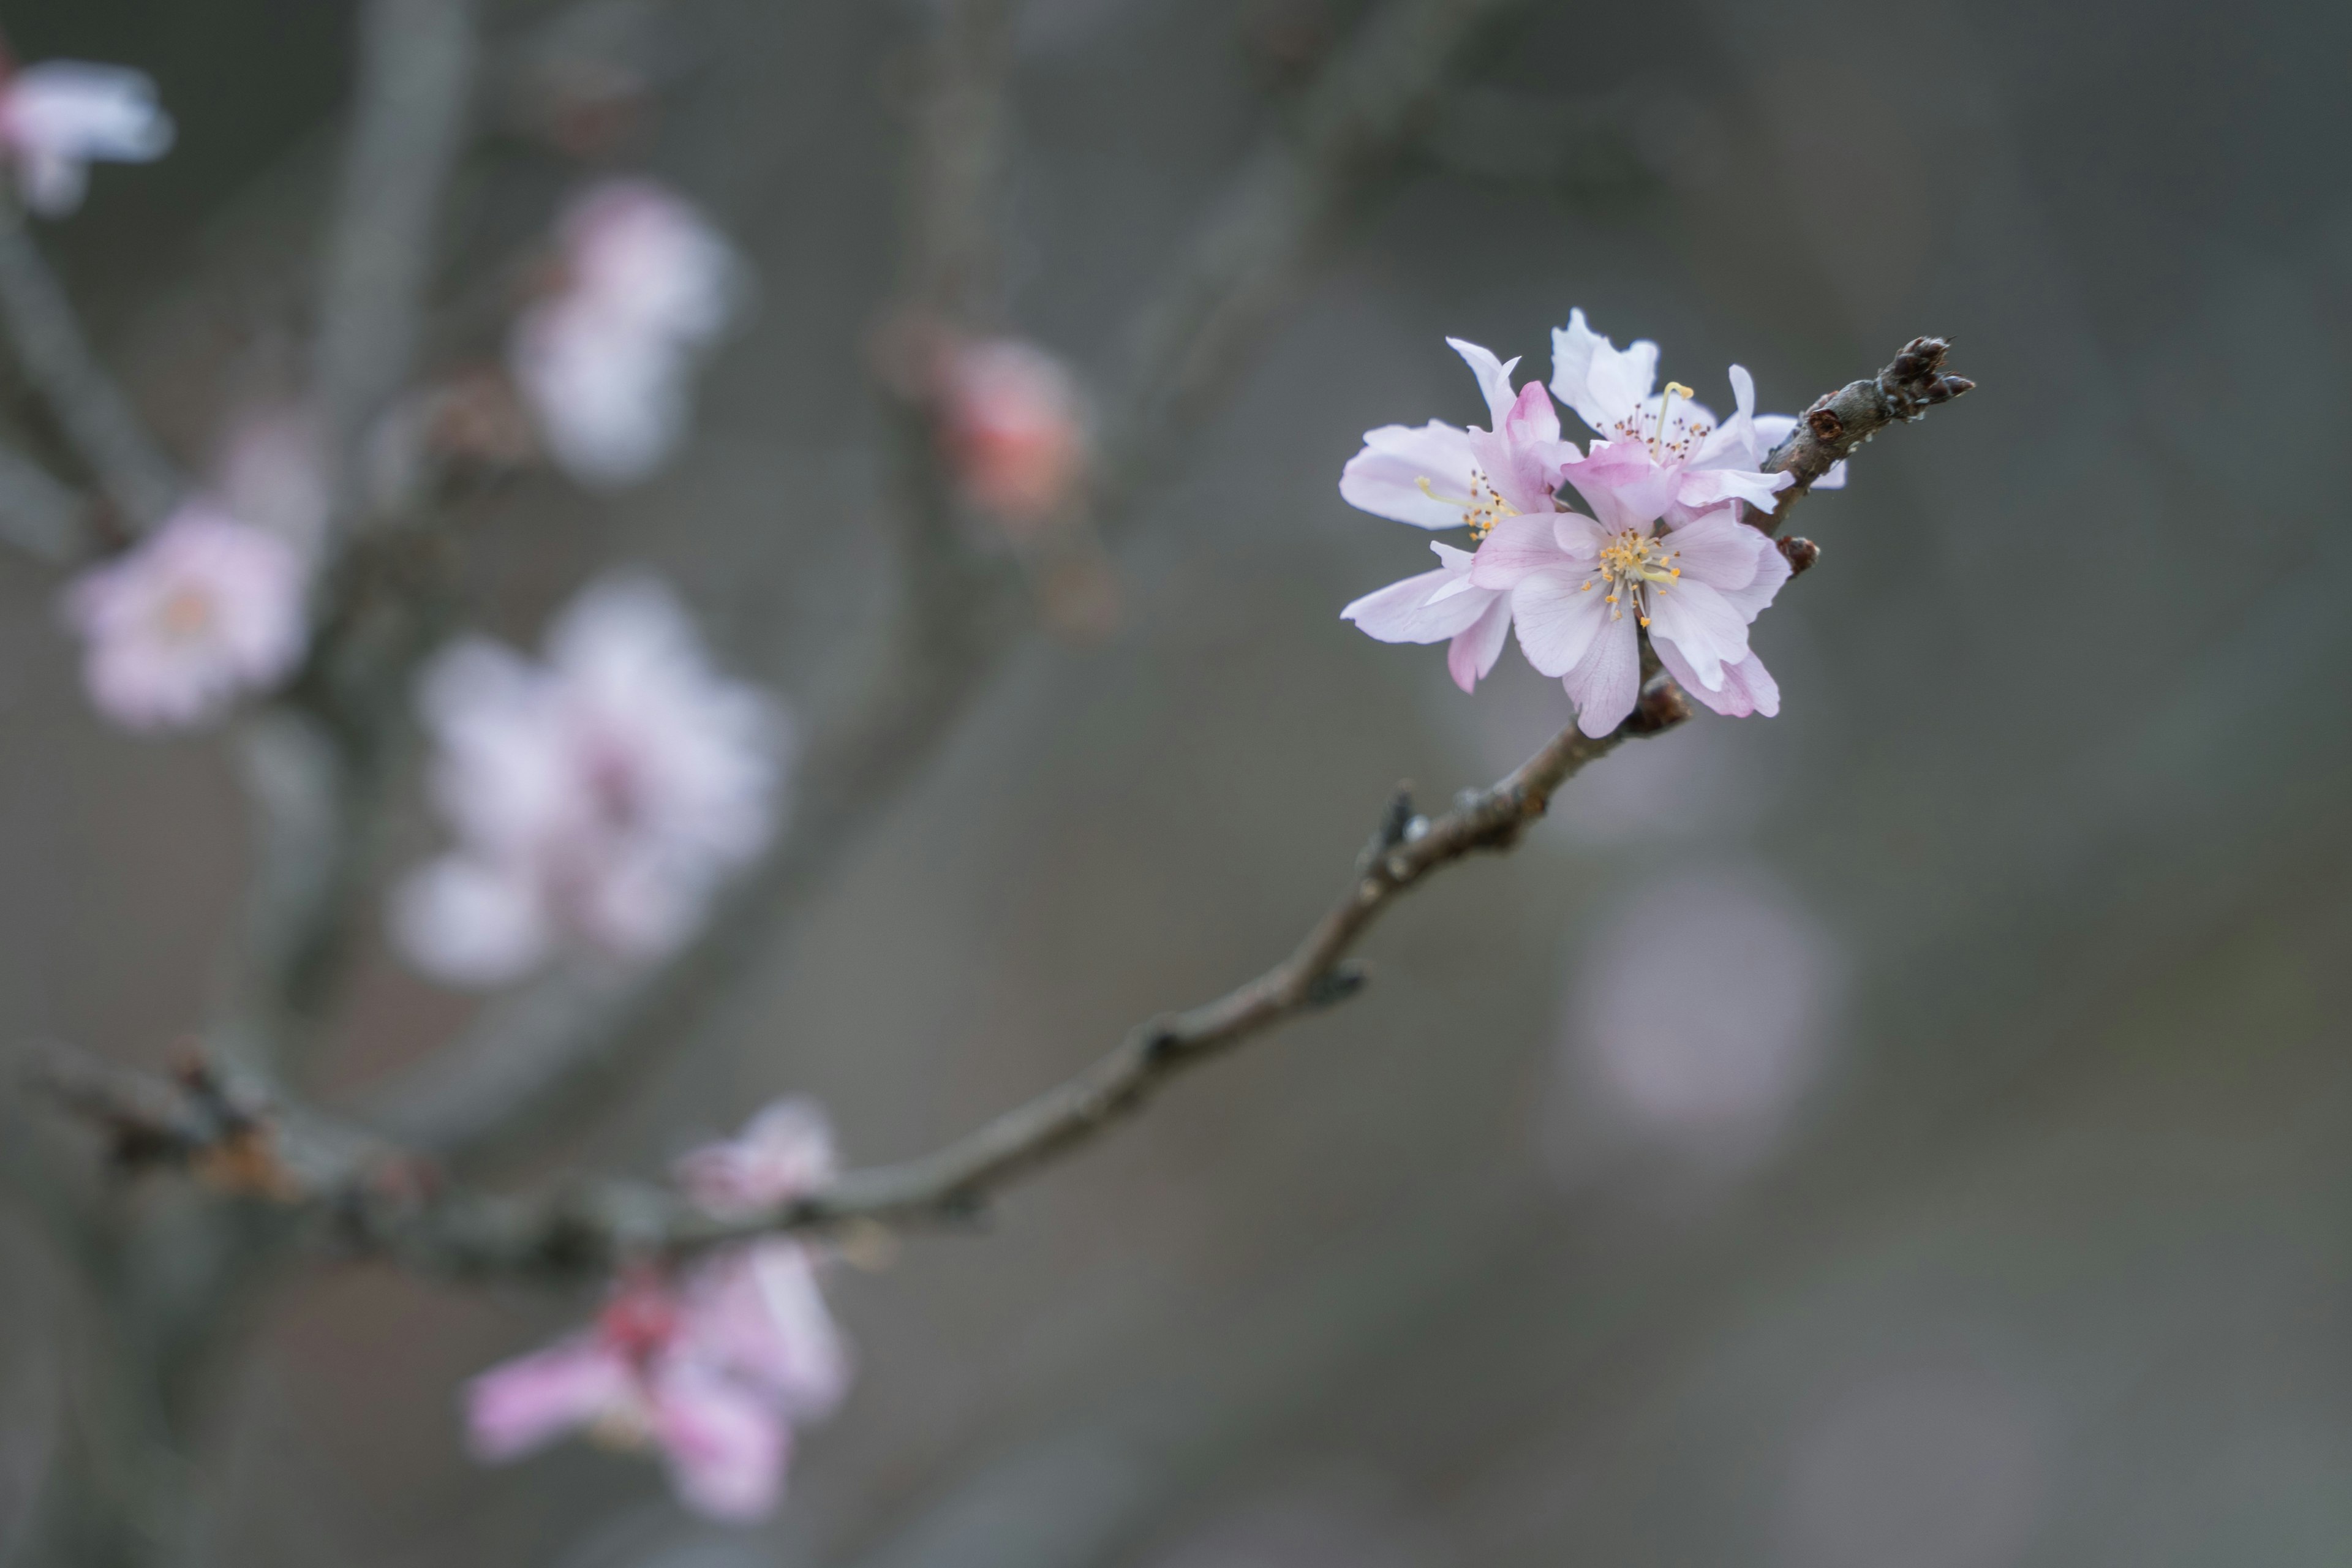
column 641, row 1377
column 714, row 1369
column 60, row 116
column 1014, row 424
column 598, row 799
column 784, row 1151
column 603, row 363
column 762, row 1302
column 203, row 611
column 1441, row 477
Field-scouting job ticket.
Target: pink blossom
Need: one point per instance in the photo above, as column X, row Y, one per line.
column 604, row 362
column 60, row 116
column 1439, row 477
column 784, row 1151
column 760, row 1302
column 1581, row 589
column 203, row 611
column 1013, row 424
column 598, row 800
column 641, row 1377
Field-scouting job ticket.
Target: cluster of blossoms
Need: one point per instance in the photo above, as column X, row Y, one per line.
column 712, row 1366
column 604, row 361
column 598, row 799
column 58, row 117
column 1662, row 550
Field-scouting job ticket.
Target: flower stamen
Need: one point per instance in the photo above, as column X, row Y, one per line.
column 1481, row 511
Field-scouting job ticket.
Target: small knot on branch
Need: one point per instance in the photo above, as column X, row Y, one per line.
column 1824, row 421
column 1800, row 554
column 1393, row 827
column 1662, row 708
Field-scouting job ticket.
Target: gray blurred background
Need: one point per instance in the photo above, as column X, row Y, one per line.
column 1909, row 1131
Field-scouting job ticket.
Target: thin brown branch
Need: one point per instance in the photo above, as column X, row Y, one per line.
column 378, row 1201
column 1838, row 422
column 97, row 419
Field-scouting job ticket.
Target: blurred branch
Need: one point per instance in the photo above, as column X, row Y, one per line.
column 39, row 516
column 97, row 420
column 1291, row 199
column 416, row 68
column 1838, row 422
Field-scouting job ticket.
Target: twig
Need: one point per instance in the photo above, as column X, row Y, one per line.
column 378, row 1201
column 97, row 419
column 382, row 1200
column 1838, row 422
column 416, row 68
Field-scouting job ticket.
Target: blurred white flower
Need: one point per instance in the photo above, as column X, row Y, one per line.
column 1700, row 1012
column 1014, row 426
column 598, row 800
column 603, row 362
column 60, row 116
column 203, row 611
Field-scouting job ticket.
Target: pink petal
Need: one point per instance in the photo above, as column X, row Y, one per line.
column 756, row 1313
column 1474, row 652
column 1700, row 621
column 1715, row 550
column 1517, row 546
column 1559, row 611
column 1748, row 686
column 1385, row 478
column 782, row 1152
column 1607, row 682
column 1410, row 612
column 1623, row 484
column 727, row 1449
column 527, row 1403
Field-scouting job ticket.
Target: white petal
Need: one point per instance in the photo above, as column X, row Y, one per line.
column 1494, row 379
column 469, row 923
column 1385, row 478
column 1404, row 612
column 1702, row 624
column 1607, row 682
column 1604, row 386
